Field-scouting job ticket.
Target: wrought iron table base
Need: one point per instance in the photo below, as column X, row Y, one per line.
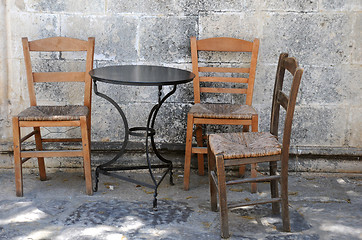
column 150, row 133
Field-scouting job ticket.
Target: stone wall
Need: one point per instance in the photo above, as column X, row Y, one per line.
column 324, row 35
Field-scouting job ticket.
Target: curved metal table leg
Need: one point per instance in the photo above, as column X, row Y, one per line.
column 126, row 136
column 150, row 127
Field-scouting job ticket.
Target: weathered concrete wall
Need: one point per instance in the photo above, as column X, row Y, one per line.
column 324, row 35
column 4, row 136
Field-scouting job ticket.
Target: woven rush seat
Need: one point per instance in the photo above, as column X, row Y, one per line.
column 244, row 144
column 53, row 113
column 227, row 111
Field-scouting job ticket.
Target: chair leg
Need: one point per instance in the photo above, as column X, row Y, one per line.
column 86, row 155
column 224, row 219
column 213, row 189
column 242, row 170
column 188, row 149
column 89, row 130
column 200, row 156
column 254, row 186
column 243, row 167
column 89, row 138
column 254, row 123
column 254, row 128
column 39, row 147
column 274, row 187
column 245, row 128
column 284, row 197
column 17, row 160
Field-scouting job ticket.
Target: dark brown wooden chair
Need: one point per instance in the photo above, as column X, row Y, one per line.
column 220, row 114
column 54, row 116
column 233, row 149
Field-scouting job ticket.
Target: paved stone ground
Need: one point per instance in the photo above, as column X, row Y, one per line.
column 322, row 206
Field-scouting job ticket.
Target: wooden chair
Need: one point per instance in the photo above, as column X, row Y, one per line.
column 230, row 149
column 220, row 114
column 54, row 116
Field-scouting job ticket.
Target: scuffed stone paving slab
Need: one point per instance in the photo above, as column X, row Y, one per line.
column 30, row 211
column 8, row 233
column 294, row 237
column 262, row 214
column 121, row 213
column 146, row 232
column 279, row 237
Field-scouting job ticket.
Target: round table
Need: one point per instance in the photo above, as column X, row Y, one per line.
column 139, row 75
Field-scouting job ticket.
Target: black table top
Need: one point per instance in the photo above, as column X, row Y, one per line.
column 141, row 75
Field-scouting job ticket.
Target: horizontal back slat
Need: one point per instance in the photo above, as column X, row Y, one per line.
column 224, row 70
column 290, row 64
column 58, row 44
column 59, row 76
column 223, row 90
column 283, row 99
column 224, row 79
column 224, row 44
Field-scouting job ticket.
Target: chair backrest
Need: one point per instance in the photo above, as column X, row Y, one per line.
column 223, row 44
column 59, row 44
column 281, row 99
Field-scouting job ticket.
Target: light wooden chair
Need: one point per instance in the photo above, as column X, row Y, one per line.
column 54, row 116
column 230, row 149
column 224, row 113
